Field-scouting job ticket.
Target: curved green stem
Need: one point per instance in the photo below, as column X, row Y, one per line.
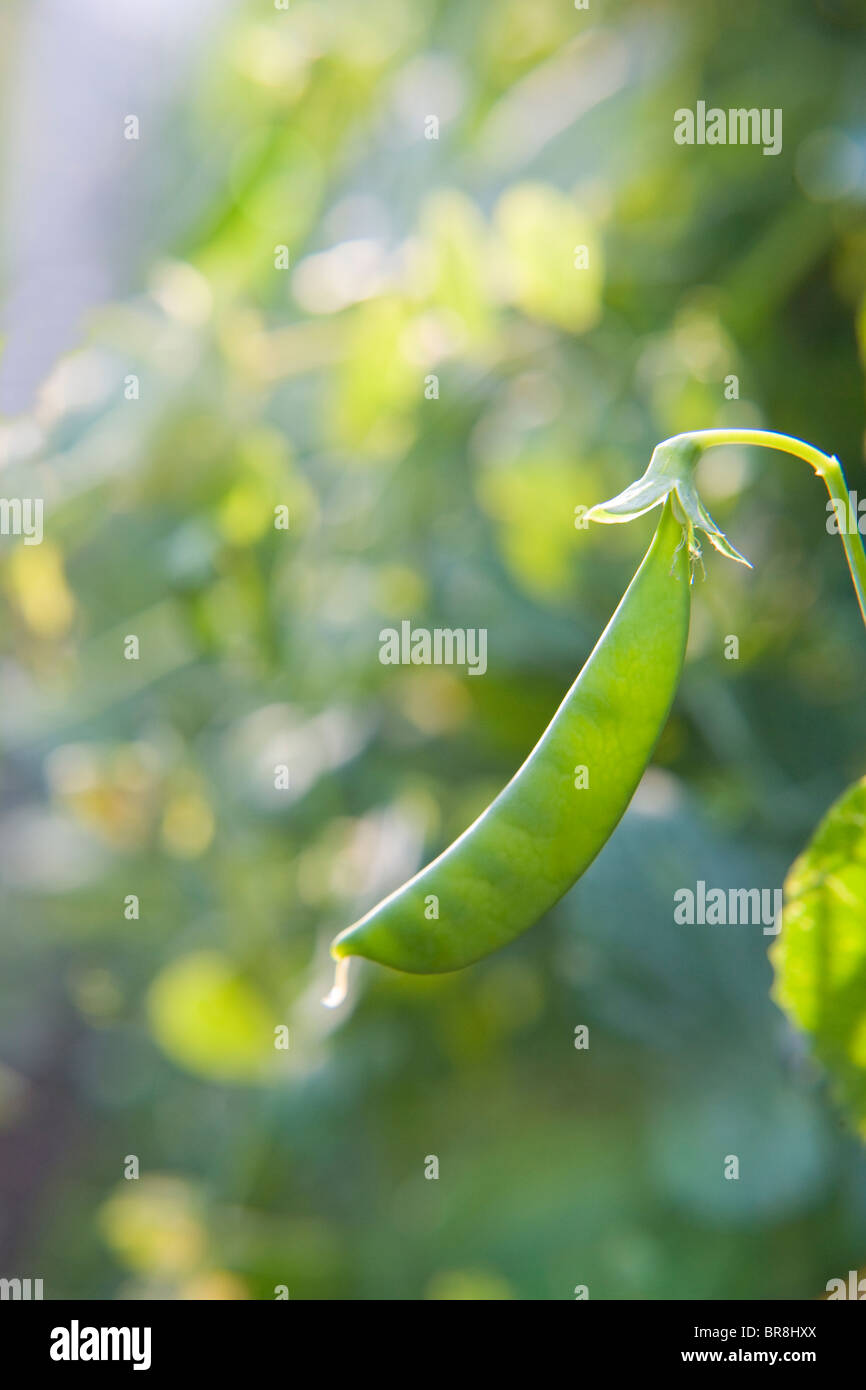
column 671, row 472
column 826, row 466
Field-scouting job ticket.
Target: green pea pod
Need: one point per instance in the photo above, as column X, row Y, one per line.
column 543, row 830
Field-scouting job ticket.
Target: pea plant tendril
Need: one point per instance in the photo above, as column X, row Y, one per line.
column 547, row 825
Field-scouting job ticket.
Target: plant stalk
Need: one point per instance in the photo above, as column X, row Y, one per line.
column 826, row 466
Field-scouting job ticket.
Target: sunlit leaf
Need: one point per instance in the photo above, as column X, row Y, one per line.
column 469, row 1285
column 552, row 256
column 377, row 383
column 154, row 1225
column 457, row 260
column 40, row 591
column 211, row 1020
column 820, row 956
column 531, row 499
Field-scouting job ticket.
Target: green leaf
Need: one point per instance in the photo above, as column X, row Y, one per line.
column 820, row 956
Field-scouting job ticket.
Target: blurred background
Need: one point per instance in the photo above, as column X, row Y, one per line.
column 169, row 377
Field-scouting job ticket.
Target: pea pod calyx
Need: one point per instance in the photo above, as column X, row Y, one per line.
column 670, row 473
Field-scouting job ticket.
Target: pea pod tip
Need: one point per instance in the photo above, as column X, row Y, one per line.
column 338, row 991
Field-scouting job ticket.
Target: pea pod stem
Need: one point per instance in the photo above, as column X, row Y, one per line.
column 826, row 466
column 671, row 473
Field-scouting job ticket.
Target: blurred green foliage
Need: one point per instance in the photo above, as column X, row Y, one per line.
column 304, row 388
